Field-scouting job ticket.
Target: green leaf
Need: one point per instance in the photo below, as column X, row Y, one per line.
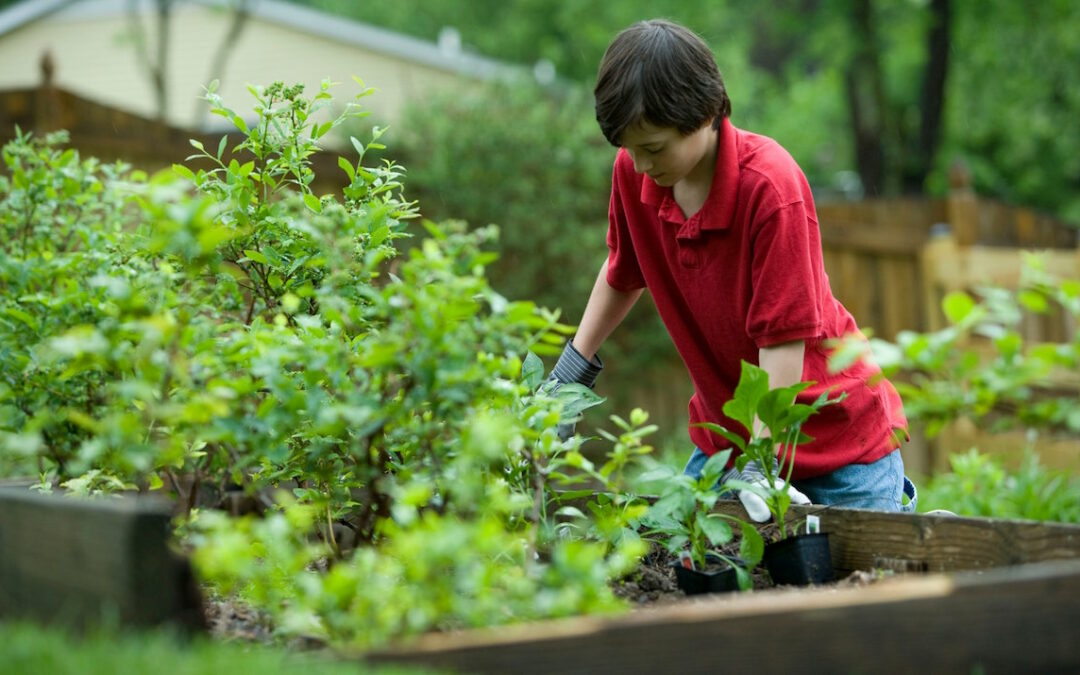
column 746, row 582
column 357, row 145
column 255, row 256
column 1033, row 300
column 716, row 465
column 378, row 236
column 576, row 398
column 312, row 202
column 752, row 546
column 570, row 512
column 716, row 529
column 532, row 371
column 221, row 146
column 674, row 505
column 184, row 171
column 735, row 439
column 753, row 384
column 347, row 167
column 22, row 316
column 957, row 306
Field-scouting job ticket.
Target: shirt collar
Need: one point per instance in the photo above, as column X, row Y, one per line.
column 718, row 212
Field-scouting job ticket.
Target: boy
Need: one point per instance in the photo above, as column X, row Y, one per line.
column 719, row 224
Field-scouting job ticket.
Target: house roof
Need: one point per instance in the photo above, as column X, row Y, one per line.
column 330, row 26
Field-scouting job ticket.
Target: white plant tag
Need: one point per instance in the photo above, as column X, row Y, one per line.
column 813, row 525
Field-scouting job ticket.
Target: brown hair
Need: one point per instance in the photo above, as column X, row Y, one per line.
column 661, row 73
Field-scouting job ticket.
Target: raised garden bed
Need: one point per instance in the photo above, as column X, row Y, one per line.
column 973, row 593
column 967, row 593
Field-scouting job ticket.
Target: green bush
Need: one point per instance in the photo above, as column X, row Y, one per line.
column 981, row 366
column 980, row 485
column 533, row 162
column 221, row 326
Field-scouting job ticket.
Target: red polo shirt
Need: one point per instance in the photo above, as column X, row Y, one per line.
column 742, row 273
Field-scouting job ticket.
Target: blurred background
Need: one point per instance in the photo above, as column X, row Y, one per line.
column 904, row 114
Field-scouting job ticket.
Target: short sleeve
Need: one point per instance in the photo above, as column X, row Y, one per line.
column 624, row 270
column 787, row 285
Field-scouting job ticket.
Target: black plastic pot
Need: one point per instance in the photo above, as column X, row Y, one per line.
column 800, row 560
column 696, row 582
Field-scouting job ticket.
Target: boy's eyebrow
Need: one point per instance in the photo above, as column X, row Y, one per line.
column 647, row 143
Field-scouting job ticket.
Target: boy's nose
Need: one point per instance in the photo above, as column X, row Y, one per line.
column 641, row 164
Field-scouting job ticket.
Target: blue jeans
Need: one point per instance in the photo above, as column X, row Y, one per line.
column 880, row 485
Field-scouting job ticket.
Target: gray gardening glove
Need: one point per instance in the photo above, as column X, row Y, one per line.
column 755, row 506
column 573, row 367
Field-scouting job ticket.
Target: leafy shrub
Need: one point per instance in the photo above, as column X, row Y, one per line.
column 683, row 516
column 981, row 367
column 533, row 162
column 221, row 326
column 980, row 485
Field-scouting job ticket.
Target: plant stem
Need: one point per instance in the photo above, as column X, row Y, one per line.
column 330, row 532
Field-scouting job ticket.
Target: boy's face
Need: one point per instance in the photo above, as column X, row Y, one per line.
column 669, row 157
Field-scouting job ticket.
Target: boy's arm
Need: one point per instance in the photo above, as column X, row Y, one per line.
column 606, row 309
column 784, row 365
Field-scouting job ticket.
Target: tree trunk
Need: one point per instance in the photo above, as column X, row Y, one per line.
column 932, row 101
column 866, row 100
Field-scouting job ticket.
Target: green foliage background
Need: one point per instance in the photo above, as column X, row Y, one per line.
column 1011, row 89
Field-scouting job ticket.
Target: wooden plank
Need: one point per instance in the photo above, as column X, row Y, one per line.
column 1056, row 449
column 864, row 540
column 867, row 238
column 1002, row 266
column 79, row 561
column 1006, row 621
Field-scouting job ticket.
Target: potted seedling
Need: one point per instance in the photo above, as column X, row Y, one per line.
column 774, row 422
column 683, row 515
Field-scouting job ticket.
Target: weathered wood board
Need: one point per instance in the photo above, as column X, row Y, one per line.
column 79, row 562
column 1000, row 596
column 864, row 540
column 1007, row 620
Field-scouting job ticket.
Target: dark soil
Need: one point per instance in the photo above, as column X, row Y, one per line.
column 653, row 583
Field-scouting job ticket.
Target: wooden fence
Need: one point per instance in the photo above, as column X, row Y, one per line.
column 874, row 253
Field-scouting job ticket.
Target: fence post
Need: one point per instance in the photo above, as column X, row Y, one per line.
column 938, row 260
column 961, row 206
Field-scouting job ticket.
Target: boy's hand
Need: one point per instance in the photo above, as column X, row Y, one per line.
column 755, row 506
column 573, row 367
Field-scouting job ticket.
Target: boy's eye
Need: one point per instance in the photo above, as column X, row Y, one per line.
column 653, row 151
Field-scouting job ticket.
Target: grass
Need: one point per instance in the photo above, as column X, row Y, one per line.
column 26, row 648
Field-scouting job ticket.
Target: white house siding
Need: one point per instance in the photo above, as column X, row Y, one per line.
column 93, row 60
